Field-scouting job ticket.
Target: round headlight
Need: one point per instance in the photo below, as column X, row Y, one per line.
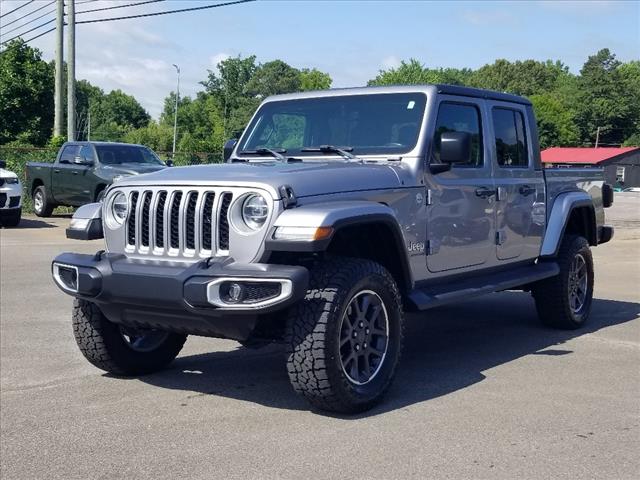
column 255, row 211
column 119, row 208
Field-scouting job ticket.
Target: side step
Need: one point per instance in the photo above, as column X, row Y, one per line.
column 452, row 291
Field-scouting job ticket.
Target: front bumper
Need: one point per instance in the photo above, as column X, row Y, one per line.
column 176, row 296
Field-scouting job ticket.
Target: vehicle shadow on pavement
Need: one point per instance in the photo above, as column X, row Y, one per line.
column 35, row 223
column 446, row 349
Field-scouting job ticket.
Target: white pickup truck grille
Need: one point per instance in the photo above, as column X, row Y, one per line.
column 187, row 222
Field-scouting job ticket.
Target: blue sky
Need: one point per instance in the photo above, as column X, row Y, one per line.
column 351, row 40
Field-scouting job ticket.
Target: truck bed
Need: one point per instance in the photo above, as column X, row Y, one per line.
column 589, row 179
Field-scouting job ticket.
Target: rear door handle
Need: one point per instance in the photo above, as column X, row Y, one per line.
column 75, row 172
column 56, row 171
column 527, row 190
column 484, row 192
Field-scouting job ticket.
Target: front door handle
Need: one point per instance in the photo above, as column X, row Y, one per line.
column 56, row 171
column 526, row 190
column 75, row 172
column 484, row 192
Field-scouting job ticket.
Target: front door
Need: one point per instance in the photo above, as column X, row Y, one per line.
column 520, row 185
column 461, row 214
column 82, row 183
column 62, row 178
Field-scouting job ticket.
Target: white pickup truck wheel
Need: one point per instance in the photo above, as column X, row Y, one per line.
column 564, row 301
column 344, row 339
column 119, row 350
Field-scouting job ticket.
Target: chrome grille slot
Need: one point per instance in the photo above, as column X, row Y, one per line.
column 131, row 223
column 180, row 222
column 159, row 211
column 207, row 221
column 144, row 231
column 223, row 221
column 174, row 227
column 190, row 230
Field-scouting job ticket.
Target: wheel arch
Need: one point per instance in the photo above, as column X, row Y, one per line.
column 572, row 213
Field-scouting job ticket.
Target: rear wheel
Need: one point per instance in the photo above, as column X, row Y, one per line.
column 118, row 349
column 41, row 206
column 564, row 301
column 344, row 339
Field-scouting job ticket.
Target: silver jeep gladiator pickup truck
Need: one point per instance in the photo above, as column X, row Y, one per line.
column 334, row 214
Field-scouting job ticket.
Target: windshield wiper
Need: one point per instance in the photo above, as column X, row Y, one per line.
column 277, row 154
column 344, row 152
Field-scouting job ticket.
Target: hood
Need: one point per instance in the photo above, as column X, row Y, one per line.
column 131, row 169
column 307, row 179
column 7, row 173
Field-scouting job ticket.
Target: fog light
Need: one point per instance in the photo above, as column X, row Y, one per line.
column 232, row 292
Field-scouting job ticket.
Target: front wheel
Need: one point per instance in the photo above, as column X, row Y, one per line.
column 564, row 301
column 344, row 338
column 120, row 350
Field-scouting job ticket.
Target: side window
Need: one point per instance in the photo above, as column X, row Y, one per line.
column 69, row 153
column 511, row 143
column 457, row 117
column 87, row 152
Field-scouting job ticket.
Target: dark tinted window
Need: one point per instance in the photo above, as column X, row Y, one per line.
column 118, row 154
column 371, row 124
column 87, row 153
column 511, row 143
column 69, row 153
column 455, row 117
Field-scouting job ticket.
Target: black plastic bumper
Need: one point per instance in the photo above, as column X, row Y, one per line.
column 605, row 233
column 173, row 296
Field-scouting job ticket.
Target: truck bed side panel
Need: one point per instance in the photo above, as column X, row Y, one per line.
column 590, row 180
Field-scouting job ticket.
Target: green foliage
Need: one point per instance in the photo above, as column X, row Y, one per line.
column 26, row 95
column 55, row 142
column 274, row 78
column 556, row 125
column 312, row 79
column 158, row 137
column 415, row 73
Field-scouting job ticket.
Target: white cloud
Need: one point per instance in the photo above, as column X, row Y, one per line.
column 217, row 58
column 390, row 62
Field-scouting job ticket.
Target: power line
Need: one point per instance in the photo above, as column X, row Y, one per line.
column 41, row 34
column 119, row 6
column 17, row 8
column 27, row 23
column 166, row 12
column 29, row 14
column 30, row 30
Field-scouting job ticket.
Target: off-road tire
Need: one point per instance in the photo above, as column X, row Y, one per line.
column 552, row 294
column 11, row 219
column 101, row 342
column 313, row 335
column 47, row 207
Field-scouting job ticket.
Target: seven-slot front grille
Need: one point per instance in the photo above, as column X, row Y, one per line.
column 183, row 222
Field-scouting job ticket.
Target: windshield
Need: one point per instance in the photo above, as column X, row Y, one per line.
column 365, row 124
column 118, row 154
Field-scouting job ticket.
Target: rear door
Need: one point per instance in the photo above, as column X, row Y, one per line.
column 461, row 217
column 520, row 184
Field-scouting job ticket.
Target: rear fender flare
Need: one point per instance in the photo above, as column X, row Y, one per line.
column 564, row 204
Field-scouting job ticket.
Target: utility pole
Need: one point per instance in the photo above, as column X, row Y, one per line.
column 71, row 71
column 597, row 137
column 175, row 114
column 59, row 114
column 89, row 123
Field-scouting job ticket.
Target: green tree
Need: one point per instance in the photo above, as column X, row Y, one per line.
column 556, row 124
column 116, row 114
column 273, row 78
column 603, row 100
column 630, row 73
column 158, row 137
column 415, row 73
column 26, row 95
column 313, row 79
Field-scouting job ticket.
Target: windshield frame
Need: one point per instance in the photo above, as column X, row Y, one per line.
column 381, row 153
column 97, row 148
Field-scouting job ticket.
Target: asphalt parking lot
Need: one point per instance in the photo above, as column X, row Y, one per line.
column 483, row 391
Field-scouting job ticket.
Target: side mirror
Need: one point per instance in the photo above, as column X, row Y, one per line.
column 228, row 149
column 455, row 147
column 82, row 161
column 169, row 163
column 3, row 164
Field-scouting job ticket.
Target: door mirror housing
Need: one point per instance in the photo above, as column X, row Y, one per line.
column 82, row 161
column 228, row 149
column 169, row 163
column 3, row 164
column 455, row 147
